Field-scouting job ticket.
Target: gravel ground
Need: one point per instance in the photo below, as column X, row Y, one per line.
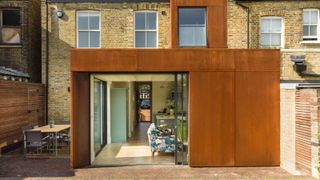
column 15, row 166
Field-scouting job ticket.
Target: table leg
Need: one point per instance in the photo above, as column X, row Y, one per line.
column 24, row 144
column 56, row 143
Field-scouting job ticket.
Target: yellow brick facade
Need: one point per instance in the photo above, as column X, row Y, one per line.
column 292, row 14
column 117, row 31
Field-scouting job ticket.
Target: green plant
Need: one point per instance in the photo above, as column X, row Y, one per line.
column 170, row 104
column 51, row 122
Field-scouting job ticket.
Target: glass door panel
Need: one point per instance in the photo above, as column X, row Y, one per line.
column 181, row 115
column 97, row 116
column 100, row 118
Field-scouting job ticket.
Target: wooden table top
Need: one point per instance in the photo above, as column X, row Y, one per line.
column 47, row 129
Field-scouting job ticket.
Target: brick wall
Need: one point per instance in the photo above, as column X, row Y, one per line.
column 116, row 32
column 287, row 132
column 292, row 13
column 237, row 26
column 24, row 57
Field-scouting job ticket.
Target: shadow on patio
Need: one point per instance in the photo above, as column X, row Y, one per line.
column 14, row 164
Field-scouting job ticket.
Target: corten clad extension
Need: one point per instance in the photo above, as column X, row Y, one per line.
column 223, row 84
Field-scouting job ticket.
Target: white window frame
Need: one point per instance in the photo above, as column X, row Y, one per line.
column 1, row 25
column 311, row 38
column 281, row 32
column 89, row 30
column 145, row 30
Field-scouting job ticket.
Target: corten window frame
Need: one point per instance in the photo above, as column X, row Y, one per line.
column 206, row 26
column 15, row 27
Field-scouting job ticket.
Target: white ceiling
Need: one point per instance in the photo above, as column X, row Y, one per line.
column 135, row 77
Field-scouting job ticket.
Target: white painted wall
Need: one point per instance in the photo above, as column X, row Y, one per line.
column 161, row 92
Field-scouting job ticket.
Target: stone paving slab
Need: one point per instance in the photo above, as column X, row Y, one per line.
column 15, row 166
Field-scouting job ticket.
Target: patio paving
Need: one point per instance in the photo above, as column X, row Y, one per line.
column 15, row 166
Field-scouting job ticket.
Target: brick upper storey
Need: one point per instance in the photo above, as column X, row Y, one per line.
column 117, row 31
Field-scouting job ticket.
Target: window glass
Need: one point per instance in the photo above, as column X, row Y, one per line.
column 83, row 22
column 10, row 26
column 192, row 27
column 94, row 39
column 310, row 24
column 83, row 39
column 11, row 17
column 140, row 20
column 191, row 16
column 151, row 21
column 152, row 39
column 140, row 39
column 88, row 29
column 271, row 32
column 94, row 22
column 146, row 29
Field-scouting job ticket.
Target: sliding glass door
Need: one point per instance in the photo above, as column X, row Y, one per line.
column 99, row 123
column 181, row 118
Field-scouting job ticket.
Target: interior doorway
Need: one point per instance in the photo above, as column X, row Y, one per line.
column 146, row 119
column 144, row 101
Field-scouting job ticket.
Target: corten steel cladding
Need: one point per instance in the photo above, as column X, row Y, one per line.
column 234, row 100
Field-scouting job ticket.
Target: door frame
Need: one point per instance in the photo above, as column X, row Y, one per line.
column 104, row 111
column 136, row 86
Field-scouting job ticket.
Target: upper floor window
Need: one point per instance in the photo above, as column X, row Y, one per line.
column 88, row 29
column 10, row 26
column 192, row 27
column 145, row 29
column 310, row 24
column 271, row 32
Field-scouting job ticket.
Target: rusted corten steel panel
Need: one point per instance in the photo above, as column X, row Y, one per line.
column 257, row 124
column 80, row 120
column 234, row 100
column 169, row 60
column 211, row 136
column 216, row 15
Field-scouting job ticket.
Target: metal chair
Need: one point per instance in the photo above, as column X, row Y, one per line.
column 34, row 140
column 63, row 137
column 24, row 129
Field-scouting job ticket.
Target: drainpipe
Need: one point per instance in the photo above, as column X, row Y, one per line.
column 47, row 61
column 248, row 21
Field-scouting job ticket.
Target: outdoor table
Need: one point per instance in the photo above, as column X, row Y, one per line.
column 54, row 130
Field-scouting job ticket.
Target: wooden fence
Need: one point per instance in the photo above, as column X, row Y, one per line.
column 21, row 104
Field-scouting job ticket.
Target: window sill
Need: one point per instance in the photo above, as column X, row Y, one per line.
column 310, row 42
column 10, row 45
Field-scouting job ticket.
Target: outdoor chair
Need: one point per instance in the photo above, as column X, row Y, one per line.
column 63, row 137
column 34, row 140
column 24, row 129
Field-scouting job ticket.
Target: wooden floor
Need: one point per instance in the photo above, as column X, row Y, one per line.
column 135, row 151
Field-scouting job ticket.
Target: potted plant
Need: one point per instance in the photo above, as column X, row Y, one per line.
column 51, row 123
column 170, row 105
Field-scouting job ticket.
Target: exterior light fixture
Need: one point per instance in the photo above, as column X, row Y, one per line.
column 299, row 65
column 60, row 13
